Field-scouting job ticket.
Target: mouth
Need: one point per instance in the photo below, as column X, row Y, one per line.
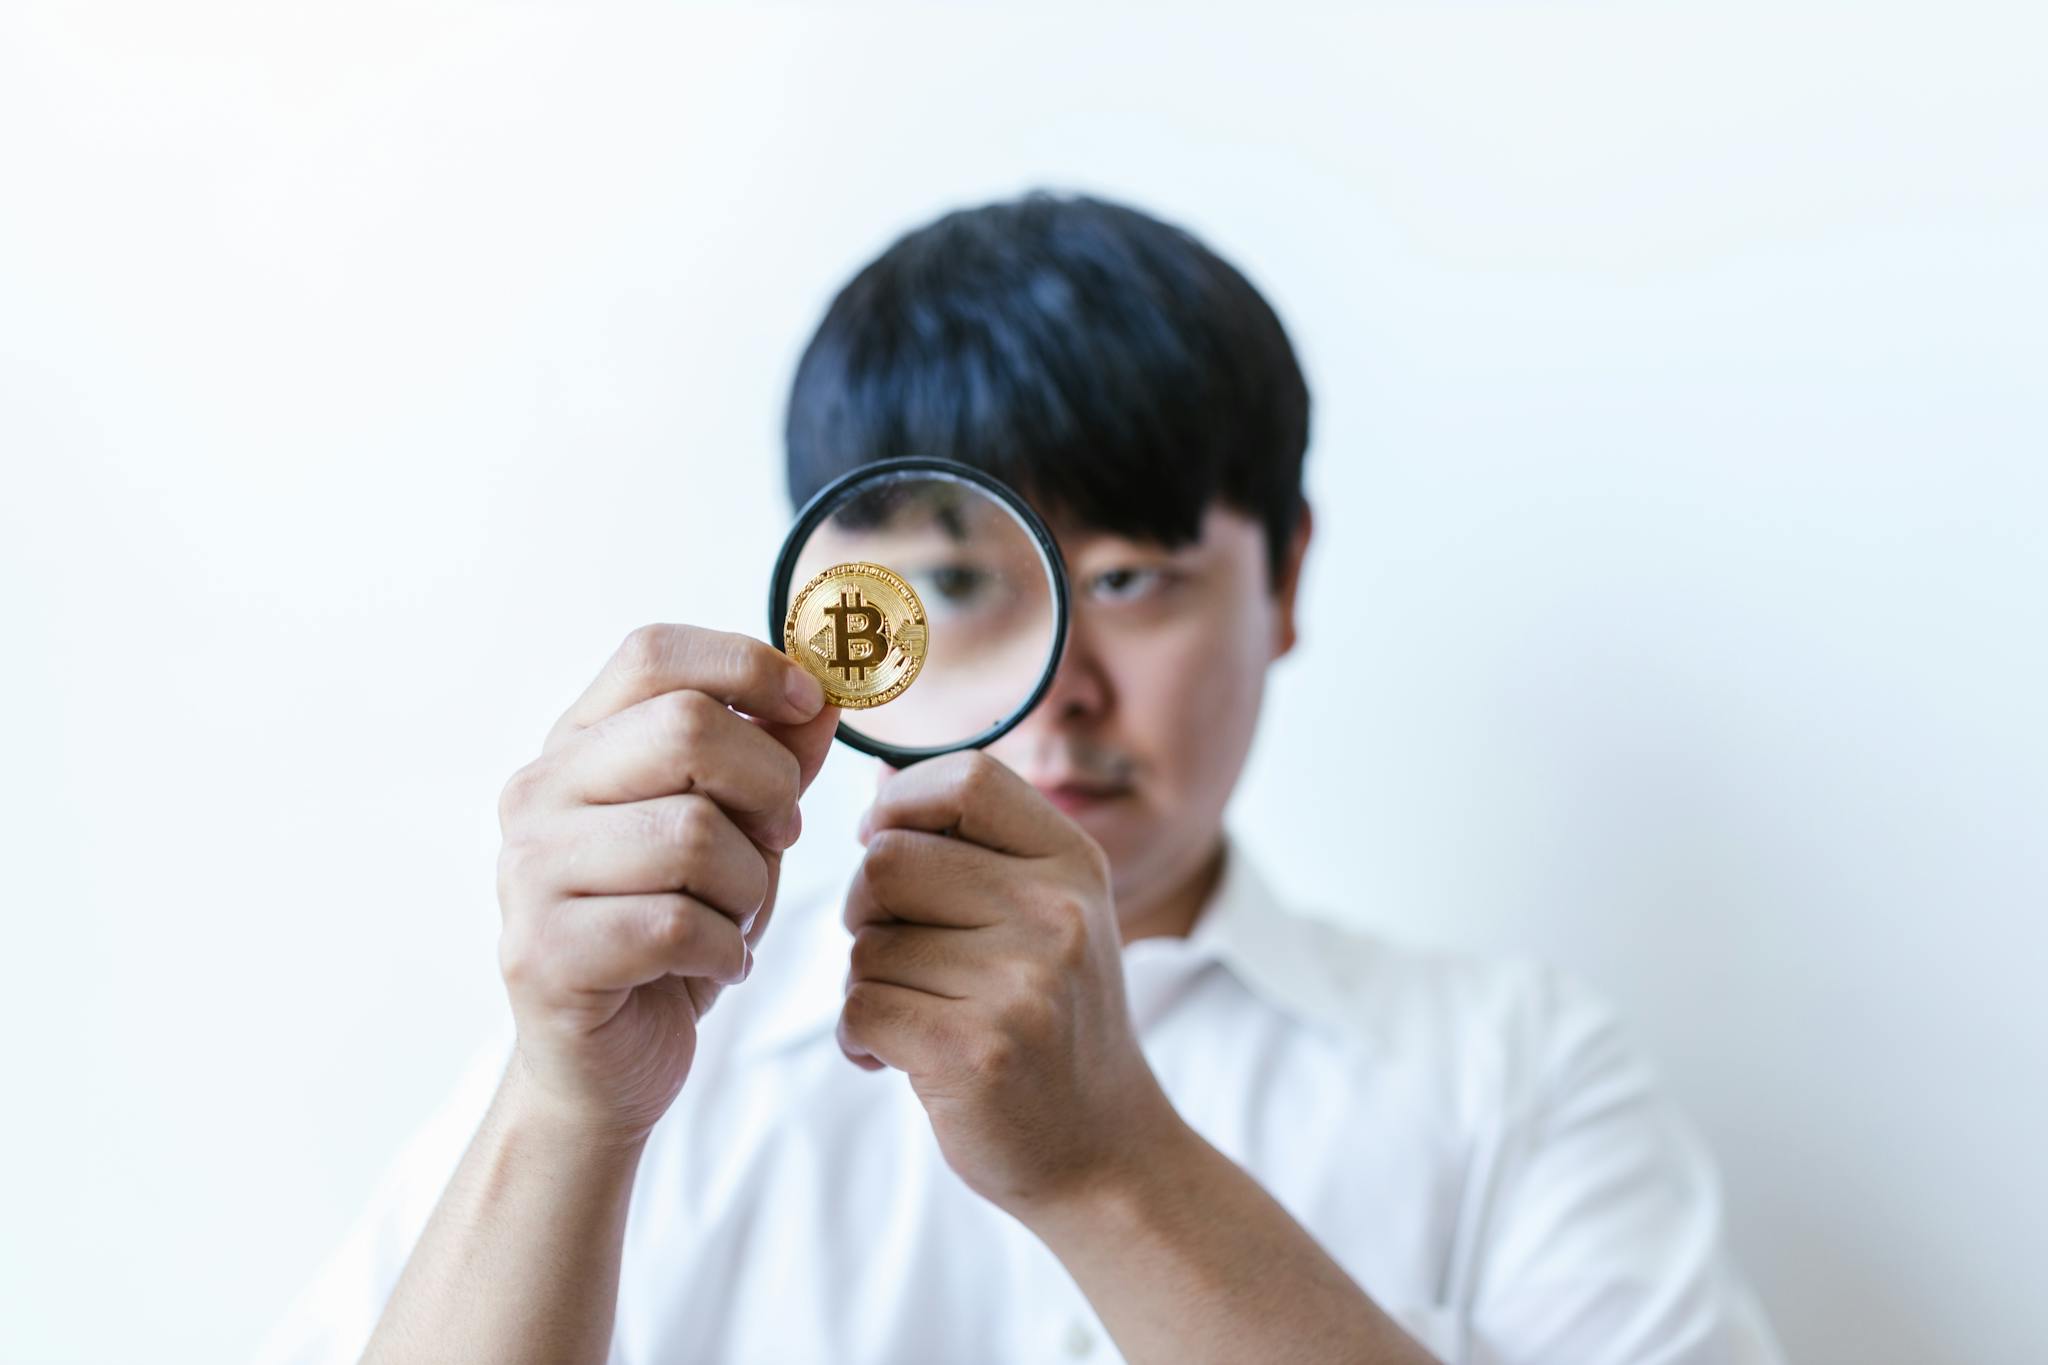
column 1077, row 797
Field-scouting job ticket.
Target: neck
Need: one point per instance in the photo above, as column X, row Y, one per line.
column 1173, row 912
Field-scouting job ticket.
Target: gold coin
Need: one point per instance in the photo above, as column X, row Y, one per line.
column 858, row 629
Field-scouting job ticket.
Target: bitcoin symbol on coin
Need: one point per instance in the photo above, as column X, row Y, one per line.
column 859, row 629
column 859, row 624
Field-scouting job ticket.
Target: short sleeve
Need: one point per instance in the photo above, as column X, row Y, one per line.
column 331, row 1319
column 1605, row 1242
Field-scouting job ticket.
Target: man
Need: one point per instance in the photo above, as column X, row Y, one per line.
column 1129, row 1107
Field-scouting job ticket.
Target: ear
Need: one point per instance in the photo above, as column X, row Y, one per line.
column 1288, row 582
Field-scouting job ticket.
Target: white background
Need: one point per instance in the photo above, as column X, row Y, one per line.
column 366, row 372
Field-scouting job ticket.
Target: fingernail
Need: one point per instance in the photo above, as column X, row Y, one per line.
column 748, row 969
column 804, row 692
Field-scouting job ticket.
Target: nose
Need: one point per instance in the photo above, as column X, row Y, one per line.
column 1081, row 690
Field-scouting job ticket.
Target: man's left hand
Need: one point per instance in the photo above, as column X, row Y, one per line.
column 988, row 966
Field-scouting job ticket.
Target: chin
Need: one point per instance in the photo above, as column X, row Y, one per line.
column 1128, row 833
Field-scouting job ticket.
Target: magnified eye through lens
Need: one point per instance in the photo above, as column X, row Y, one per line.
column 931, row 602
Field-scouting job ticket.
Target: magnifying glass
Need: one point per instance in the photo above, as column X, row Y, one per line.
column 928, row 598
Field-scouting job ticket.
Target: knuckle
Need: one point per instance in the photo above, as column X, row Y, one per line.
column 1033, row 1013
column 670, row 924
column 519, row 870
column 1068, row 941
column 685, row 717
column 1036, row 979
column 745, row 660
column 861, row 1008
column 684, row 824
column 1097, row 857
column 757, row 881
column 1057, row 912
column 886, row 852
column 519, row 792
column 866, row 951
column 978, row 775
column 518, row 962
column 701, row 819
column 994, row 1053
column 645, row 649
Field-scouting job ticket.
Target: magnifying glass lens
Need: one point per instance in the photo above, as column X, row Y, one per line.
column 985, row 587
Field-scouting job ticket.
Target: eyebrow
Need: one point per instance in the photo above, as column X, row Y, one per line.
column 1119, row 544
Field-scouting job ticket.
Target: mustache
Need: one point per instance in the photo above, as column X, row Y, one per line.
column 1071, row 760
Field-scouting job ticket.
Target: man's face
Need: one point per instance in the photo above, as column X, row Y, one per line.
column 1145, row 728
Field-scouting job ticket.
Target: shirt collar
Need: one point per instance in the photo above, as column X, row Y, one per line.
column 1272, row 951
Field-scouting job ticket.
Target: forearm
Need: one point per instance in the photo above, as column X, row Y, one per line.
column 520, row 1260
column 1186, row 1258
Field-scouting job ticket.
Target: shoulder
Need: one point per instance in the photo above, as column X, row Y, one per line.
column 1500, row 1029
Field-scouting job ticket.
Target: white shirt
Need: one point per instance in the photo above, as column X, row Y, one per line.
column 1474, row 1138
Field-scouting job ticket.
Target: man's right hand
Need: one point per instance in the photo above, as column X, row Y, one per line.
column 640, row 859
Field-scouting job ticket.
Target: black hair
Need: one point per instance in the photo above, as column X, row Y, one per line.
column 1104, row 363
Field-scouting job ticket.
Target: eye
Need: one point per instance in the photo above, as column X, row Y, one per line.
column 1127, row 584
column 958, row 582
column 956, row 587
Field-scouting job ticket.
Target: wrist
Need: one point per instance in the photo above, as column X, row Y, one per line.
column 534, row 1119
column 1112, row 1198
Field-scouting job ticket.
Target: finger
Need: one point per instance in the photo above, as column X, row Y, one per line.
column 669, row 843
column 927, row 878
column 897, row 1026
column 947, row 962
column 736, row 669
column 682, row 742
column 975, row 797
column 808, row 740
column 611, row 943
column 755, row 927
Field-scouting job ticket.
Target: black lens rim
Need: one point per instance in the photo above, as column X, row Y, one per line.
column 826, row 499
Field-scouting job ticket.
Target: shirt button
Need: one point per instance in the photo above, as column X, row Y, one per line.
column 1080, row 1341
